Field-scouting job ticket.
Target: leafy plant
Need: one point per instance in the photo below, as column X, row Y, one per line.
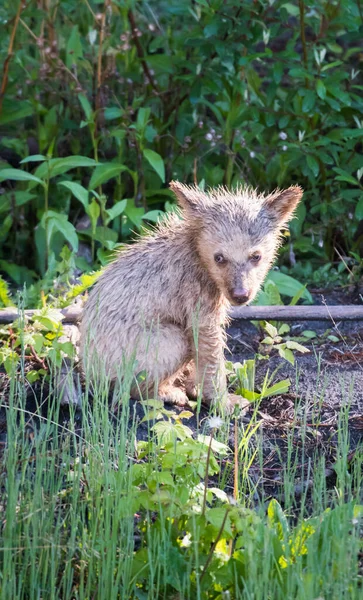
column 120, row 99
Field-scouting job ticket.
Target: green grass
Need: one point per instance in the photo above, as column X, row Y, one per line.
column 89, row 512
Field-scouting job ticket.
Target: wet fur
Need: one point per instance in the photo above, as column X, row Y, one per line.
column 149, row 303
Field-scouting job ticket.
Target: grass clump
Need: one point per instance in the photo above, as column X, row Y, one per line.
column 97, row 504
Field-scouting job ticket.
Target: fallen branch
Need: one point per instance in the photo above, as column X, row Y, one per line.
column 298, row 313
column 349, row 312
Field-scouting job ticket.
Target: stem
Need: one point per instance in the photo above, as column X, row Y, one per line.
column 235, row 482
column 46, row 207
column 10, row 53
column 206, row 474
column 210, row 555
column 302, row 32
column 99, row 59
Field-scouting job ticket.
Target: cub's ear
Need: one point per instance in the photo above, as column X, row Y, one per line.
column 190, row 198
column 281, row 204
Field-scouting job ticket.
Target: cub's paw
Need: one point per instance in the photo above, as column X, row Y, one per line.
column 173, row 395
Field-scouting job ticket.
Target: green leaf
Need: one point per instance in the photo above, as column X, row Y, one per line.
column 343, row 176
column 292, row 9
column 153, row 215
column 116, row 210
column 309, row 101
column 87, row 108
column 288, row 285
column 320, row 89
column 296, row 346
column 60, row 223
column 309, row 334
column 58, row 166
column 113, row 112
column 287, row 354
column 105, row 172
column 14, row 111
column 313, row 164
column 74, row 47
column 281, row 387
column 142, row 118
column 19, row 175
column 5, row 299
column 77, row 190
column 270, row 329
column 156, row 162
column 297, row 296
column 94, row 212
column 21, row 197
column 359, row 209
column 34, row 158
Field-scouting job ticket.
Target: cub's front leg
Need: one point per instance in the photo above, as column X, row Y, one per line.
column 210, row 373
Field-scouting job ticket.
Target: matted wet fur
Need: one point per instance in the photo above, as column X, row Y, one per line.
column 161, row 306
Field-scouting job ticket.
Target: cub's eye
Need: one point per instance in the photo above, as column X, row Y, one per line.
column 219, row 259
column 255, row 257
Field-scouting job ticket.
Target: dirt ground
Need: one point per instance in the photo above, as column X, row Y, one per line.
column 305, row 423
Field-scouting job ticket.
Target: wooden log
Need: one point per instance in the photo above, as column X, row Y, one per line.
column 70, row 314
column 348, row 312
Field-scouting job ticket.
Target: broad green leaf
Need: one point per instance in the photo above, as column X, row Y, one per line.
column 87, row 108
column 313, row 164
column 291, row 8
column 309, row 334
column 217, row 516
column 270, row 329
column 74, row 47
column 344, row 176
column 156, row 162
column 77, row 190
column 288, row 285
column 281, row 387
column 359, row 209
column 116, row 210
column 309, row 101
column 320, row 89
column 60, row 223
column 216, row 446
column 5, row 299
column 105, row 172
column 153, row 215
column 14, row 111
column 19, row 175
column 134, row 213
column 142, row 118
column 287, row 354
column 34, row 158
column 296, row 346
column 58, row 166
column 113, row 112
column 20, row 196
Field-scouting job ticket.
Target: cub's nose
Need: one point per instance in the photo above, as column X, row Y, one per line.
column 240, row 295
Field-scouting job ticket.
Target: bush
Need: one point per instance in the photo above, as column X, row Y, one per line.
column 266, row 93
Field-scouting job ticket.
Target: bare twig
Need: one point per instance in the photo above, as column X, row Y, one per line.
column 21, row 7
column 140, row 52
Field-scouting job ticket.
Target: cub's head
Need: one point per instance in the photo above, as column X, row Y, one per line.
column 237, row 233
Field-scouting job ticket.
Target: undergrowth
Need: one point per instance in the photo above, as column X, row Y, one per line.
column 120, row 502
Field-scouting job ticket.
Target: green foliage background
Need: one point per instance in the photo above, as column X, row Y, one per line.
column 113, row 99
